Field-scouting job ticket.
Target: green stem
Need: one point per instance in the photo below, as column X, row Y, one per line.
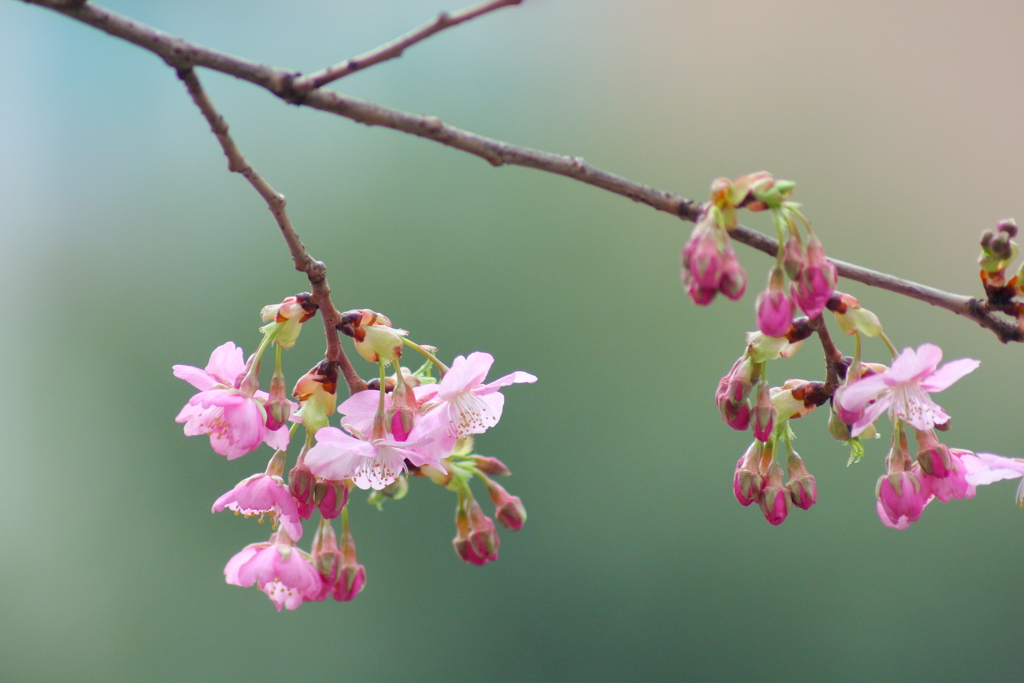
column 441, row 367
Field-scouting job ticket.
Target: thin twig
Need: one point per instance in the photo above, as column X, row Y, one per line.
column 977, row 310
column 396, row 47
column 183, row 54
column 835, row 369
column 314, row 270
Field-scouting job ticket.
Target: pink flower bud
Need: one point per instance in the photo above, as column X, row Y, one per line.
column 774, row 308
column 816, row 281
column 279, row 408
column 331, row 497
column 746, row 481
column 764, row 413
column 734, row 279
column 301, row 483
column 477, row 540
column 932, row 455
column 955, row 484
column 792, row 257
column 705, row 259
column 802, row 488
column 902, row 495
column 509, row 510
column 774, row 499
column 491, row 466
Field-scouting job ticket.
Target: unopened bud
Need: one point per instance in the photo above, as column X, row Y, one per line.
column 491, row 466
column 317, row 391
column 279, row 408
column 803, row 490
column 301, row 484
column 509, row 510
column 836, row 427
column 774, row 500
column 331, row 497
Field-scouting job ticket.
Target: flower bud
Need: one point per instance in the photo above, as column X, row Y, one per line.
column 734, row 278
column 932, row 455
column 774, row 307
column 764, row 413
column 816, row 281
column 301, row 484
column 331, row 497
column 852, row 318
column 477, row 541
column 373, row 335
column 509, row 510
column 801, row 485
column 491, row 466
column 287, row 318
column 792, row 257
column 746, row 481
column 317, row 391
column 774, row 499
column 837, row 428
column 279, row 408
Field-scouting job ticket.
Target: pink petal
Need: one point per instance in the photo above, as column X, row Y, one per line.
column 278, row 438
column 911, row 365
column 517, row 377
column 985, row 468
column 871, row 413
column 200, row 379
column 235, row 563
column 949, row 373
column 226, row 363
column 465, row 374
column 860, row 393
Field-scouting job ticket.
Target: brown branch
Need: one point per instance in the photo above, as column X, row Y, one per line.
column 314, row 270
column 396, row 47
column 977, row 310
column 835, row 367
column 182, row 54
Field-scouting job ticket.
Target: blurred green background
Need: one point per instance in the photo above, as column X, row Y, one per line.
column 127, row 247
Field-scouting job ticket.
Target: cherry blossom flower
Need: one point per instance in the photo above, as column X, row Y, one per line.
column 264, row 494
column 904, row 389
column 234, row 418
column 471, row 407
column 278, row 568
column 370, row 464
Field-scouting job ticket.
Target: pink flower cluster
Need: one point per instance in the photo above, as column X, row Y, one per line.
column 759, row 479
column 406, row 425
column 421, row 426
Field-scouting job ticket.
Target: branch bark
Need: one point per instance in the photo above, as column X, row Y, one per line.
column 314, row 270
column 396, row 47
column 182, row 54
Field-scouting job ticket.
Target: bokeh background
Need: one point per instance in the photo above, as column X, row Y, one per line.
column 126, row 247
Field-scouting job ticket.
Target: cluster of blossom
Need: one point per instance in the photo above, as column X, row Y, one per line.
column 859, row 393
column 408, row 423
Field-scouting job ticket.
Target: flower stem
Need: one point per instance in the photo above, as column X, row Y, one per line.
column 441, row 367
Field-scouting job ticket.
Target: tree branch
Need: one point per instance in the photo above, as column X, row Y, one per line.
column 314, row 270
column 182, row 54
column 396, row 47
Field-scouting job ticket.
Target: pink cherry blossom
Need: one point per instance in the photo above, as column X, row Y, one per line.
column 904, row 389
column 470, row 406
column 264, row 494
column 370, row 464
column 235, row 421
column 278, row 568
column 985, row 468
